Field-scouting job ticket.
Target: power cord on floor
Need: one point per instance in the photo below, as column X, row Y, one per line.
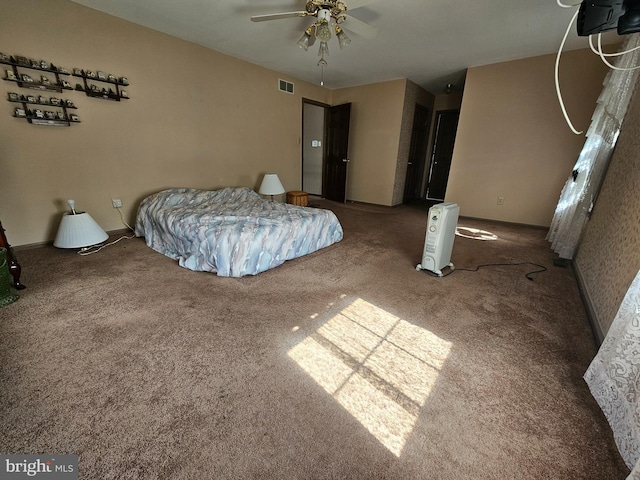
column 527, row 275
column 96, row 248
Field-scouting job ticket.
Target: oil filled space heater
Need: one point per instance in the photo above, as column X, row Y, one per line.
column 441, row 232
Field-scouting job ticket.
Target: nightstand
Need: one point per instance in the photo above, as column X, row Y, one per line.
column 298, row 198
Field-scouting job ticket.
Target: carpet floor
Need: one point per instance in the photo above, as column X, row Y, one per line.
column 344, row 364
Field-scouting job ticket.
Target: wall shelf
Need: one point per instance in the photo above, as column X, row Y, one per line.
column 20, row 74
column 48, row 79
column 57, row 117
column 112, row 91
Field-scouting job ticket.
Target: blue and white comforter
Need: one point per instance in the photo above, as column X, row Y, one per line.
column 232, row 231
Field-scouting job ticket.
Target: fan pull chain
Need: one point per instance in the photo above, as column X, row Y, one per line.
column 322, row 63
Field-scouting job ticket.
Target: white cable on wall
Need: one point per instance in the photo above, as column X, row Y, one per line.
column 567, row 6
column 557, row 68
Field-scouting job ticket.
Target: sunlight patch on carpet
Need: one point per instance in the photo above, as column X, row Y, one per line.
column 379, row 367
column 475, row 234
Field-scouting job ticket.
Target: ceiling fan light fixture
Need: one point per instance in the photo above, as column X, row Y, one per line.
column 306, row 40
column 343, row 40
column 323, row 31
column 323, row 50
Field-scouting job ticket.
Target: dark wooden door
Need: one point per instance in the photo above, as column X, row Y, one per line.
column 417, row 154
column 444, row 140
column 337, row 142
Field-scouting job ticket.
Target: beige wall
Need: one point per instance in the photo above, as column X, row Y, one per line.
column 374, row 138
column 608, row 257
column 196, row 118
column 512, row 140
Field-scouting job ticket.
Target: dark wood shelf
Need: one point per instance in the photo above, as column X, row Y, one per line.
column 90, row 86
column 61, row 104
column 54, row 70
column 48, row 122
column 87, row 80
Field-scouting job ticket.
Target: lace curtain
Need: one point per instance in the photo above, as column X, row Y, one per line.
column 614, row 378
column 580, row 190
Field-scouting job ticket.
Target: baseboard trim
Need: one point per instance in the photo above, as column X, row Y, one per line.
column 504, row 222
column 30, row 246
column 588, row 305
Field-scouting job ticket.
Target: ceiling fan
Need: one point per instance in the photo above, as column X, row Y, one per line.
column 331, row 16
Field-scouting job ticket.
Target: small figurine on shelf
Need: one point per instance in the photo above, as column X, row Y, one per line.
column 42, row 99
column 19, row 112
column 124, row 81
column 14, row 97
column 68, row 103
column 10, row 75
column 60, row 116
column 27, row 78
column 74, row 118
column 62, row 70
column 44, row 80
column 101, row 75
column 112, row 78
column 44, row 65
column 78, row 72
column 54, row 101
column 4, row 57
column 66, row 85
column 39, row 113
column 50, row 115
column 124, row 94
column 79, row 87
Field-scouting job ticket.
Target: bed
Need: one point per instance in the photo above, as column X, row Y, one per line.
column 232, row 231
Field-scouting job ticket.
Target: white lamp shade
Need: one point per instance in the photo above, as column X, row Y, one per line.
column 271, row 185
column 77, row 231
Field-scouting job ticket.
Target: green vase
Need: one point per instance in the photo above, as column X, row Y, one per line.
column 6, row 297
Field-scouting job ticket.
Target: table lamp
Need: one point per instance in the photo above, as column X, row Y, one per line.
column 78, row 229
column 271, row 185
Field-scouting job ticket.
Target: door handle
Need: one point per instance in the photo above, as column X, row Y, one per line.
column 410, row 163
column 345, row 160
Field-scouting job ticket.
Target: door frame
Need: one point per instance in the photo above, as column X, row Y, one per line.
column 421, row 163
column 324, row 140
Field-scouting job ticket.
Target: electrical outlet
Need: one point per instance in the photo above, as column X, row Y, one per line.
column 500, row 200
column 116, row 202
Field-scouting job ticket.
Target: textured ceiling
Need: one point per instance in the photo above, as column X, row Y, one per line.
column 430, row 42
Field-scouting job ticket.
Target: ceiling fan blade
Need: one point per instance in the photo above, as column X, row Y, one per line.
column 353, row 4
column 276, row 16
column 360, row 28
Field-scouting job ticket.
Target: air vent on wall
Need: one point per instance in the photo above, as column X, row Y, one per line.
column 286, row 87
